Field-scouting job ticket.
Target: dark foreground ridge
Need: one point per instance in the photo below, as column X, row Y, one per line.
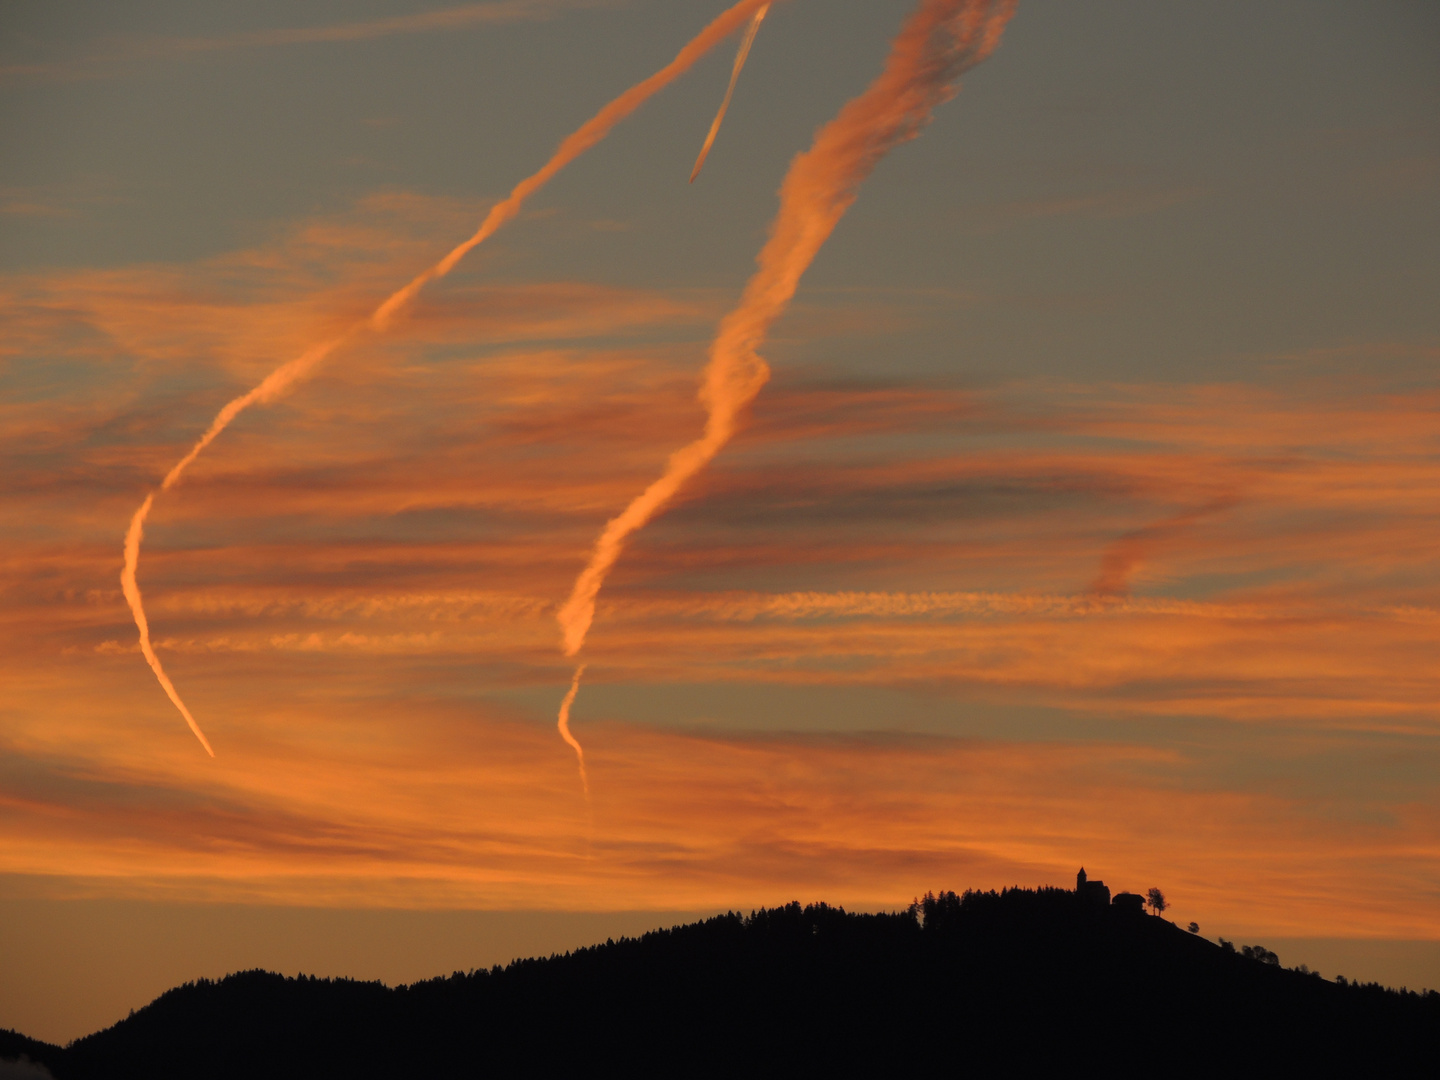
column 1020, row 980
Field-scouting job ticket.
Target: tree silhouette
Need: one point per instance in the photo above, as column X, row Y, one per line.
column 1259, row 952
column 1155, row 899
column 800, row 990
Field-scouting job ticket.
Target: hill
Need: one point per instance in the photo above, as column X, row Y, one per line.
column 1020, row 980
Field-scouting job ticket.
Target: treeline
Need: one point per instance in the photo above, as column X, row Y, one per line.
column 1019, row 979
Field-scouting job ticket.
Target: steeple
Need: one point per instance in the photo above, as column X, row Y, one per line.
column 1093, row 892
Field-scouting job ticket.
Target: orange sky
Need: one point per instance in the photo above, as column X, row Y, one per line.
column 357, row 594
column 988, row 585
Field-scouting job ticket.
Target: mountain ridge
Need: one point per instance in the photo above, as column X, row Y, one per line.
column 1022, row 978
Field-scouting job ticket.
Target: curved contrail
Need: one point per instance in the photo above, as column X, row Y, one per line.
column 285, row 376
column 745, row 43
column 132, row 596
column 564, row 726
column 939, row 41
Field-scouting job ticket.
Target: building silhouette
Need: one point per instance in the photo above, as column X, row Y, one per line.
column 1095, row 892
column 1132, row 902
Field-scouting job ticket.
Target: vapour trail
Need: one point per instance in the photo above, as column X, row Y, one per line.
column 286, row 375
column 564, row 725
column 745, row 43
column 131, row 589
column 940, row 40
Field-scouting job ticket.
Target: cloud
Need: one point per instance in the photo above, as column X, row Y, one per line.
column 1100, row 205
column 1128, row 553
column 117, row 56
column 475, row 810
column 358, row 590
column 19, row 206
column 434, row 501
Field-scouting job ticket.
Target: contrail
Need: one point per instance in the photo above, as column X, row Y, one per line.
column 940, row 40
column 564, row 725
column 132, row 596
column 285, row 376
column 745, row 43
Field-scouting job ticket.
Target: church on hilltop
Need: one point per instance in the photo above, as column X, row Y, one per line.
column 1097, row 894
column 1094, row 891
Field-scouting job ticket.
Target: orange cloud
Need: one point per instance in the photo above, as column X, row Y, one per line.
column 941, row 40
column 359, row 588
column 1130, row 551
column 118, row 56
column 330, row 802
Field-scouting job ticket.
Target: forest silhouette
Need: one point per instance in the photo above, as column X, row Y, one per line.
column 1020, row 980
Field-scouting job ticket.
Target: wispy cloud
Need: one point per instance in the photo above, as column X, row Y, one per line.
column 479, row 810
column 1103, row 205
column 359, row 591
column 116, row 56
column 53, row 202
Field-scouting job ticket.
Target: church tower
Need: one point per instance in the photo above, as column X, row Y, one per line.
column 1093, row 892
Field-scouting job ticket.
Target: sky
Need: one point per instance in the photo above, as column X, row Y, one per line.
column 1087, row 516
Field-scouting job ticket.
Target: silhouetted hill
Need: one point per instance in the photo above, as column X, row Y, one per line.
column 16, row 1049
column 1017, row 980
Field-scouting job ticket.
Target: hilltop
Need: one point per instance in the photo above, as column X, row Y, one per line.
column 1020, row 979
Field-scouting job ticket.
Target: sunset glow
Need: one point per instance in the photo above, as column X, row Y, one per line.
column 942, row 493
column 284, row 377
